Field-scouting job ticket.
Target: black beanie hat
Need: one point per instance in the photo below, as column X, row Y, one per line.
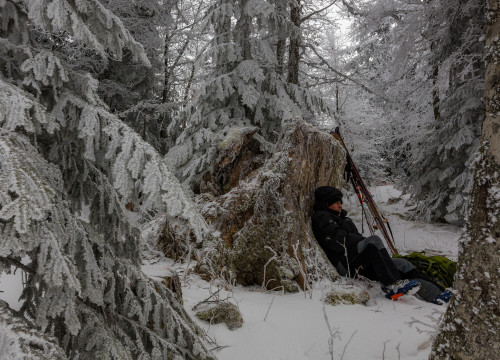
column 328, row 195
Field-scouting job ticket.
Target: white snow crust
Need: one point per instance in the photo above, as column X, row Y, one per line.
column 294, row 326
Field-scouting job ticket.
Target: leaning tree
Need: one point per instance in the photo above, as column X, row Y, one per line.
column 472, row 322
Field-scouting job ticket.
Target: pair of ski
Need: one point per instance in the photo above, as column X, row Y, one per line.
column 374, row 219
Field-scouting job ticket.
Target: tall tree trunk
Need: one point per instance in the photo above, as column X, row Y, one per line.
column 471, row 325
column 166, row 67
column 435, row 92
column 186, row 93
column 294, row 49
column 222, row 29
column 243, row 30
column 280, row 31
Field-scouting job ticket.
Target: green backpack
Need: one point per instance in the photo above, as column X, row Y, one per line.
column 439, row 268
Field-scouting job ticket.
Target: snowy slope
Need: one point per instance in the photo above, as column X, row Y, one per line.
column 294, row 326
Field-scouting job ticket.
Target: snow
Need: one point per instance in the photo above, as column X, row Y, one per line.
column 9, row 344
column 293, row 326
column 11, row 288
column 410, row 235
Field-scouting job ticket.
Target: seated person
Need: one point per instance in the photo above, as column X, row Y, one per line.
column 351, row 253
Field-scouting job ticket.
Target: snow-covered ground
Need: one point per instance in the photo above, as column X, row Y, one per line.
column 300, row 326
column 410, row 235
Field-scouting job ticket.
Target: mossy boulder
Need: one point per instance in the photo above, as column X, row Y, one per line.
column 346, row 296
column 223, row 313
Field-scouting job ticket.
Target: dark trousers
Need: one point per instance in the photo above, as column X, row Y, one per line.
column 376, row 264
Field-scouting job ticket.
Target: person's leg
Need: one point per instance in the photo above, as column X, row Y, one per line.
column 409, row 271
column 404, row 266
column 428, row 291
column 415, row 274
column 370, row 240
column 375, row 263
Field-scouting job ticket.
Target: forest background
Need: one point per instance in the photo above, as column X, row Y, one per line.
column 112, row 111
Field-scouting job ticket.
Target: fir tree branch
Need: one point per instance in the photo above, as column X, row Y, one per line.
column 14, row 262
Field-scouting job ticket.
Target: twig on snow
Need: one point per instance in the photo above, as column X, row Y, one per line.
column 216, row 300
column 307, row 283
column 269, row 308
column 274, row 295
column 347, row 344
column 383, row 352
column 274, row 257
column 414, row 321
column 332, row 334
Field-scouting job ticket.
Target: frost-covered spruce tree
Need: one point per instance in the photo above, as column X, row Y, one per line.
column 472, row 321
column 133, row 90
column 20, row 340
column 75, row 184
column 425, row 58
column 440, row 171
column 244, row 86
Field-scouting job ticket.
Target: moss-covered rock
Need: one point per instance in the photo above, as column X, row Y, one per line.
column 223, row 313
column 346, row 296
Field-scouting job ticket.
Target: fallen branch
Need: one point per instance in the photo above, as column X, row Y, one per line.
column 208, row 301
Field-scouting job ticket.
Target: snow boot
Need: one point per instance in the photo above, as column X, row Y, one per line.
column 400, row 288
column 443, row 298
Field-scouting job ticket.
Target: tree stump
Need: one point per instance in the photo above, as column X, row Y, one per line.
column 264, row 218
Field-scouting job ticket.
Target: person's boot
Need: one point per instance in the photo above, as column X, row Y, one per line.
column 443, row 298
column 400, row 288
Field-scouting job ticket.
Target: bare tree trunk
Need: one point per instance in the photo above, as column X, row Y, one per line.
column 435, row 92
column 280, row 55
column 244, row 31
column 281, row 42
column 166, row 67
column 169, row 68
column 222, row 29
column 294, row 48
column 471, row 325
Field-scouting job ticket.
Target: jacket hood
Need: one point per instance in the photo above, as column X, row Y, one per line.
column 327, row 195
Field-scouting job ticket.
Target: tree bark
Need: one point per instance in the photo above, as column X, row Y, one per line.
column 281, row 37
column 435, row 92
column 222, row 29
column 244, row 31
column 294, row 48
column 166, row 68
column 472, row 322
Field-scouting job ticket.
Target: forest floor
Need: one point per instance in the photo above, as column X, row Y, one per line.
column 301, row 326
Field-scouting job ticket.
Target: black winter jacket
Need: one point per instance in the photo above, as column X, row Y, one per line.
column 331, row 229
